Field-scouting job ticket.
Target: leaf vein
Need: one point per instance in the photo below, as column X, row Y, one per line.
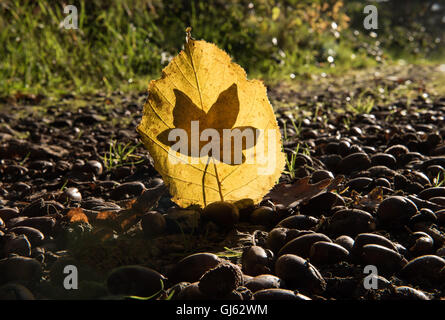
column 182, row 160
column 242, row 186
column 157, row 114
column 236, row 168
column 183, row 75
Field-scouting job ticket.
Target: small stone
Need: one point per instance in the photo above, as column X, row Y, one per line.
column 191, row 268
column 73, row 194
column 395, row 210
column 299, row 274
column 19, row 268
column 128, row 190
column 255, row 261
column 15, row 291
column 224, row 214
column 34, row 235
column 354, row 162
column 153, row 224
column 41, row 208
column 94, row 167
column 17, row 244
column 135, row 280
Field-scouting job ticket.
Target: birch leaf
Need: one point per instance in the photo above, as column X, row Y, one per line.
column 240, row 157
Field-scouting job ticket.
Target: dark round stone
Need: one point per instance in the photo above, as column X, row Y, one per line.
column 128, row 190
column 135, row 280
column 395, row 210
column 354, row 162
column 19, row 268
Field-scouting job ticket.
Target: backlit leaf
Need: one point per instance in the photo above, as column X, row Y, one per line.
column 202, row 85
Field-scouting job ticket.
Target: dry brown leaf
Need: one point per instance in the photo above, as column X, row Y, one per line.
column 123, row 219
column 106, row 215
column 77, row 215
column 371, row 200
column 291, row 195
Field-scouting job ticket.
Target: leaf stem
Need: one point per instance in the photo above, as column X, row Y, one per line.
column 217, row 181
column 203, row 182
column 189, row 53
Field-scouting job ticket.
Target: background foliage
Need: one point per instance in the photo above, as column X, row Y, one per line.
column 121, row 44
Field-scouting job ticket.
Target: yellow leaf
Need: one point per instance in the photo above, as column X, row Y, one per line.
column 203, row 90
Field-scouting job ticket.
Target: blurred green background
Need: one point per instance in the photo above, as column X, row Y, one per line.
column 123, row 44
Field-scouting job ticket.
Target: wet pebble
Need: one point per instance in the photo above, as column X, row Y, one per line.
column 359, row 184
column 383, row 182
column 15, row 291
column 395, row 210
column 191, row 268
column 277, row 238
column 323, row 252
column 321, row 204
column 72, row 194
column 41, row 165
column 265, row 216
column 21, row 188
column 384, row 159
column 320, row 175
column 245, row 208
column 397, row 150
column 427, row 267
column 17, row 268
column 348, row 222
column 441, row 252
column 354, row 162
column 370, row 238
column 224, row 214
column 432, row 192
column 44, row 224
column 299, row 274
column 386, row 260
column 264, row 281
column 94, row 167
column 135, row 280
column 421, row 244
column 407, row 293
column 8, row 213
column 301, row 245
column 41, row 208
column 345, row 241
column 127, row 190
column 300, row 222
column 255, row 261
column 153, row 224
column 34, row 236
column 17, row 244
column 278, row 294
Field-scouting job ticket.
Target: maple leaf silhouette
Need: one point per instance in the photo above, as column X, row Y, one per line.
column 221, row 116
